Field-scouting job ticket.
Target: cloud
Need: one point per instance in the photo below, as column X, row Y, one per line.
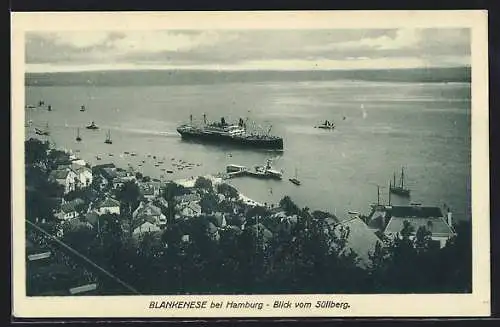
column 238, row 48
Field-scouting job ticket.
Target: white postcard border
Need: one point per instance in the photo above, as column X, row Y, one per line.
column 411, row 305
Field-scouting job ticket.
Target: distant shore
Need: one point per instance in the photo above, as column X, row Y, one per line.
column 177, row 77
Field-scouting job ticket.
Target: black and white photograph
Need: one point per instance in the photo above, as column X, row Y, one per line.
column 215, row 169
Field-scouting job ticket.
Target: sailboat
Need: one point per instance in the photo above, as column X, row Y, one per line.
column 78, row 138
column 399, row 189
column 108, row 138
column 294, row 179
column 82, row 108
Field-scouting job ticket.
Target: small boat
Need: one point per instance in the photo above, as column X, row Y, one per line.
column 235, row 168
column 41, row 103
column 49, row 108
column 353, row 212
column 154, row 157
column 399, row 189
column 78, row 138
column 30, row 106
column 170, row 172
column 92, row 126
column 294, row 180
column 160, row 162
column 326, row 125
column 126, row 152
column 133, row 154
column 82, row 108
column 108, row 138
column 98, row 158
column 110, row 154
column 40, row 131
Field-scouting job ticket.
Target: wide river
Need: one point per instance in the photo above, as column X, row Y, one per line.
column 381, row 127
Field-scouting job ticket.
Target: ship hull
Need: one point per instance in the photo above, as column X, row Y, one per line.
column 276, row 144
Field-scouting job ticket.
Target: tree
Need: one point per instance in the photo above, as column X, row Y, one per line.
column 208, row 203
column 227, row 190
column 35, row 151
column 203, row 183
column 129, row 195
column 289, row 206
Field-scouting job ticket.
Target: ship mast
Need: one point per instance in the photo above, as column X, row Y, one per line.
column 402, row 177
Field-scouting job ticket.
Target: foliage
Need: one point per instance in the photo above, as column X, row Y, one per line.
column 227, row 190
column 209, row 203
column 35, row 152
column 129, row 195
column 203, row 183
column 289, row 206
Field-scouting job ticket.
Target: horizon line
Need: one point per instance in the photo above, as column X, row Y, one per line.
column 245, row 70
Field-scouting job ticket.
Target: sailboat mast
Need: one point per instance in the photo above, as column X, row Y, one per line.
column 402, row 177
column 389, row 192
column 378, row 195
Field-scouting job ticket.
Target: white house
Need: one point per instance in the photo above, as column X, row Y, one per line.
column 65, row 177
column 430, row 218
column 109, row 205
column 145, row 227
column 84, row 175
column 70, row 210
column 189, row 210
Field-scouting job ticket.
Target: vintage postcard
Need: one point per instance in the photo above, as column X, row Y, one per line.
column 250, row 164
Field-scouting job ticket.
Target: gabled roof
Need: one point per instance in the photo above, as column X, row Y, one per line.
column 107, row 203
column 415, row 211
column 71, row 205
column 361, row 239
column 146, row 222
column 437, row 226
column 59, row 173
column 192, row 197
column 260, row 228
column 193, row 206
column 109, row 173
column 145, row 210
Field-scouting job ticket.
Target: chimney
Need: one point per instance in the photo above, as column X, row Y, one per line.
column 450, row 222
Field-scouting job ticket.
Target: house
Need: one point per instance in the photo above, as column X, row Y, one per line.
column 150, row 212
column 150, row 190
column 261, row 231
column 188, row 210
column 390, row 220
column 84, row 176
column 71, row 209
column 109, row 205
column 360, row 239
column 65, row 177
column 144, row 227
column 187, row 198
column 218, row 219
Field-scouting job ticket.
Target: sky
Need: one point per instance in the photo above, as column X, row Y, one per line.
column 247, row 49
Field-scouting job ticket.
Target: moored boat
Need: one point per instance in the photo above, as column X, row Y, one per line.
column 92, row 126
